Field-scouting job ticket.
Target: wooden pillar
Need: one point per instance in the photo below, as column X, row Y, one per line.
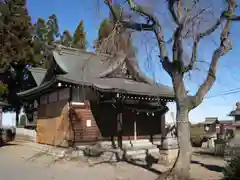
column 119, row 129
column 135, row 129
column 163, row 123
column 163, row 129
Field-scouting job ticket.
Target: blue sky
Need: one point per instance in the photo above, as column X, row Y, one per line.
column 70, row 13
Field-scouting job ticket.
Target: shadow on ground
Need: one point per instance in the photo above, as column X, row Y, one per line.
column 208, row 153
column 9, row 144
column 210, row 167
column 148, row 165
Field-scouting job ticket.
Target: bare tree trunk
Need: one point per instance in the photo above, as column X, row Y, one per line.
column 181, row 168
column 183, row 162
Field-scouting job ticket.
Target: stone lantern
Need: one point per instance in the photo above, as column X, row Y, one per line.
column 232, row 148
column 236, row 114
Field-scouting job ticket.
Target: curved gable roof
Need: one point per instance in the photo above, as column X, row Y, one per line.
column 76, row 61
column 38, row 74
column 85, row 68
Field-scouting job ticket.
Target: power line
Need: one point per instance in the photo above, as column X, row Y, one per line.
column 228, row 92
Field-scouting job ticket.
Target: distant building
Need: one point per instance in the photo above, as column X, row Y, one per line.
column 210, row 124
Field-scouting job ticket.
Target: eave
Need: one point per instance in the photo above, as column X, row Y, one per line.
column 4, row 104
column 36, row 91
column 120, row 93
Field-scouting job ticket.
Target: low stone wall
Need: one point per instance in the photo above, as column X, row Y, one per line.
column 219, row 147
column 26, row 134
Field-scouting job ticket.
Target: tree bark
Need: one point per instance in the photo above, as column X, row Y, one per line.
column 181, row 168
column 182, row 165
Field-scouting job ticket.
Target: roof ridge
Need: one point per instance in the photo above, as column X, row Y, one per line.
column 36, row 69
column 75, row 51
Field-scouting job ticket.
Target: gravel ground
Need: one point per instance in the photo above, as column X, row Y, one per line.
column 20, row 162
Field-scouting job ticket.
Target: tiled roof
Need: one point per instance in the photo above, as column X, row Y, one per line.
column 210, row 120
column 82, row 67
column 122, row 85
column 234, row 112
column 4, row 104
column 226, row 122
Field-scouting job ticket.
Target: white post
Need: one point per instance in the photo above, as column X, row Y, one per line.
column 135, row 130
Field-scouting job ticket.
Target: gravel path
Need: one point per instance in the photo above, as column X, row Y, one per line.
column 19, row 162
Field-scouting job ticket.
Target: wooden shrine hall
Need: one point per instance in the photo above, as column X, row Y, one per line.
column 82, row 99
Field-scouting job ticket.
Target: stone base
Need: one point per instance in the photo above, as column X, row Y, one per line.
column 168, row 151
column 168, row 157
column 169, row 143
column 25, row 138
column 26, row 134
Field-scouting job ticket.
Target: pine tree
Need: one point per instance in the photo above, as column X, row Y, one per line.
column 15, row 33
column 79, row 37
column 16, row 46
column 45, row 35
column 66, row 39
column 53, row 28
column 105, row 29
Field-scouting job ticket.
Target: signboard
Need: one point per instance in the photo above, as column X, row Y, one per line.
column 89, row 123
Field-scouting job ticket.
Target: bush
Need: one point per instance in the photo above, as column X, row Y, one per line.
column 196, row 141
column 232, row 170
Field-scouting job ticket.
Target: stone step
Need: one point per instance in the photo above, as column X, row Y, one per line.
column 131, row 144
column 139, row 146
column 152, row 149
column 142, row 157
column 141, row 141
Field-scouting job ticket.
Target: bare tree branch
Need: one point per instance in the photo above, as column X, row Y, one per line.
column 115, row 18
column 133, row 66
column 201, row 36
column 224, row 47
column 155, row 26
column 235, row 18
column 137, row 26
column 172, row 11
column 120, row 59
column 194, row 55
column 126, row 24
column 178, row 37
column 177, row 49
column 231, row 16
